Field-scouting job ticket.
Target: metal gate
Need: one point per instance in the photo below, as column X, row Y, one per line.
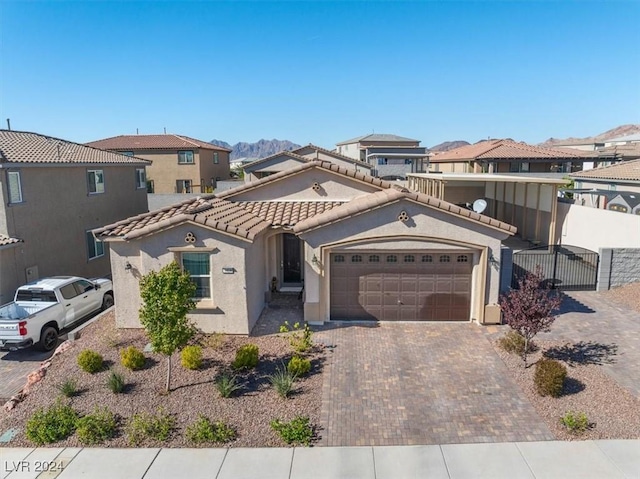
column 566, row 267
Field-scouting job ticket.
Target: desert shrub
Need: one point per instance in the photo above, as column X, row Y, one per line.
column 296, row 431
column 191, row 357
column 513, row 342
column 300, row 337
column 549, row 377
column 215, row 340
column 282, row 381
column 204, row 430
column 97, row 427
column 246, row 357
column 90, row 361
column 299, row 366
column 51, row 425
column 132, row 358
column 69, row 388
column 227, row 384
column 143, row 426
column 575, row 422
column 116, row 382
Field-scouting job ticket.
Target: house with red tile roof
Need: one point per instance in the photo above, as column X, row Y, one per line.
column 180, row 164
column 353, row 246
column 508, row 156
column 54, row 192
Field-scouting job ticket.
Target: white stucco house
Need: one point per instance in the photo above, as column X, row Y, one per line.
column 362, row 248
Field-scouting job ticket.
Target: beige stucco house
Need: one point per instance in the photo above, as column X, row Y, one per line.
column 362, row 248
column 179, row 164
column 54, row 192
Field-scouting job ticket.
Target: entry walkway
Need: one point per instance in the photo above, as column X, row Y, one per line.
column 531, row 460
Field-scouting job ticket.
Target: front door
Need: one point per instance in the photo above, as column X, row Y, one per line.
column 291, row 259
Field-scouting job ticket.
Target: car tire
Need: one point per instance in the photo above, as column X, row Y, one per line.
column 107, row 301
column 48, row 339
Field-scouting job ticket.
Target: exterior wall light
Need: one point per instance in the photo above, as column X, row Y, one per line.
column 315, row 261
column 127, row 266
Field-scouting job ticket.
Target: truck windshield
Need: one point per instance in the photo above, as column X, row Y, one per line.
column 36, row 295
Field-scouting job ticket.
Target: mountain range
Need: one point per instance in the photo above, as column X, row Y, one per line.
column 617, row 132
column 259, row 149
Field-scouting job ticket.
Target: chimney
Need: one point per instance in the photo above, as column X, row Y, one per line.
column 165, row 130
column 137, row 132
column 9, row 124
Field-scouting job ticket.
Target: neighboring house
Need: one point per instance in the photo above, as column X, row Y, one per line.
column 508, row 156
column 615, row 187
column 606, row 152
column 54, row 192
column 390, row 156
column 284, row 160
column 180, row 164
column 362, row 247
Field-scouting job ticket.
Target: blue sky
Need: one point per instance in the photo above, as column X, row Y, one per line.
column 320, row 72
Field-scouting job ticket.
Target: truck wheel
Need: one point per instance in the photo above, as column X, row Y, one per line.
column 48, row 338
column 107, row 301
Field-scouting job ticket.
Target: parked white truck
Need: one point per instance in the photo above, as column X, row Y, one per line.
column 41, row 309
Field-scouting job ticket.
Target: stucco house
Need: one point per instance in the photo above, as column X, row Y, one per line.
column 54, row 192
column 508, row 156
column 390, row 156
column 284, row 160
column 180, row 164
column 361, row 247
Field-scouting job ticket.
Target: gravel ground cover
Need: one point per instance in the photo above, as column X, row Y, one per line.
column 613, row 412
column 629, row 295
column 193, row 392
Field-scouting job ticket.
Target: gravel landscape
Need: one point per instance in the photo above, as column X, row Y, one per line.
column 628, row 295
column 613, row 412
column 193, row 393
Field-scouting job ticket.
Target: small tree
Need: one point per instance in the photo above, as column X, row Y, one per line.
column 166, row 296
column 529, row 309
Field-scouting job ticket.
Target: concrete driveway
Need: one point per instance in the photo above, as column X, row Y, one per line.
column 420, row 383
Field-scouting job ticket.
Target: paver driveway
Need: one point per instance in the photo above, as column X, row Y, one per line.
column 425, row 383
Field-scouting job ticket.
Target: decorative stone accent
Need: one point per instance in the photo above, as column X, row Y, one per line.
column 190, row 238
column 403, row 216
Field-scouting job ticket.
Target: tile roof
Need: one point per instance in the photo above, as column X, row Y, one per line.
column 384, row 197
column 26, row 147
column 334, row 154
column 208, row 211
column 376, row 137
column 6, row 240
column 629, row 151
column 249, row 166
column 625, row 170
column 153, row 142
column 287, row 213
column 508, row 149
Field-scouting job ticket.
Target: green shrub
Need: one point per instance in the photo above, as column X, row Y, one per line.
column 227, row 384
column 215, row 340
column 69, row 388
column 51, row 425
column 132, row 358
column 299, row 366
column 246, row 357
column 513, row 342
column 143, row 426
column 97, row 427
column 90, row 361
column 203, row 430
column 575, row 422
column 191, row 357
column 296, row 431
column 282, row 380
column 116, row 382
column 300, row 338
column 549, row 377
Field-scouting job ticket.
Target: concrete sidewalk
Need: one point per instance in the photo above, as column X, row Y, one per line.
column 510, row 460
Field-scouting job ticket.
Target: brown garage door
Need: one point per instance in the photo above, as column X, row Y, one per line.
column 401, row 286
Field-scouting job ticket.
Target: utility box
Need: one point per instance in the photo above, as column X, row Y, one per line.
column 492, row 314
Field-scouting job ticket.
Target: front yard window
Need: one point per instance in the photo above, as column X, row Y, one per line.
column 95, row 178
column 198, row 266
column 185, row 157
column 95, row 248
column 15, row 188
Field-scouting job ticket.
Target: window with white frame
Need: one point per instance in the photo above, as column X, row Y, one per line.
column 185, row 157
column 198, row 266
column 183, row 186
column 95, row 248
column 127, row 153
column 95, row 179
column 141, row 179
column 215, row 158
column 15, row 187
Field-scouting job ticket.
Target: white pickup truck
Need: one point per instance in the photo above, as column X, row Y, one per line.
column 41, row 309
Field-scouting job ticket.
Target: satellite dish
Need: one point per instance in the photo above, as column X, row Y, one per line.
column 479, row 205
